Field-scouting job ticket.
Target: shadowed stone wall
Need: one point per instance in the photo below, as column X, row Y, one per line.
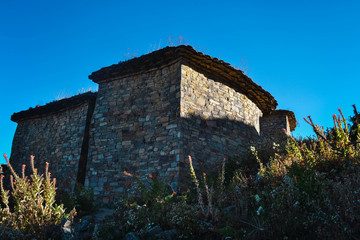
column 135, row 129
column 56, row 138
column 150, row 113
column 273, row 138
column 274, row 124
column 149, row 123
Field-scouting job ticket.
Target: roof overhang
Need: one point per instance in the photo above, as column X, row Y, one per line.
column 187, row 55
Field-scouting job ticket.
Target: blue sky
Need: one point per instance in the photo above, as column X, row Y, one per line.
column 305, row 53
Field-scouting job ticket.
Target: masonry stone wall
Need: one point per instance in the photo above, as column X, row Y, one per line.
column 149, row 114
column 273, row 126
column 217, row 121
column 214, row 99
column 56, row 138
column 134, row 129
column 273, row 138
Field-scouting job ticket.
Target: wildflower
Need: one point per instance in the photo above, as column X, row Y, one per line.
column 127, row 174
column 259, row 210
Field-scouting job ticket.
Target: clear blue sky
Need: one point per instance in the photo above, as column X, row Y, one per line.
column 305, row 53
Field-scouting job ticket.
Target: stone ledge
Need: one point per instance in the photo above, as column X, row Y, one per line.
column 289, row 114
column 187, row 55
column 53, row 107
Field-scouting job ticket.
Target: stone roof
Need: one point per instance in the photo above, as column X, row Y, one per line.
column 53, row 107
column 289, row 114
column 213, row 66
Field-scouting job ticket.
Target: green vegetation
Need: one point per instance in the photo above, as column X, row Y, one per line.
column 314, row 187
column 82, row 199
column 34, row 210
column 310, row 191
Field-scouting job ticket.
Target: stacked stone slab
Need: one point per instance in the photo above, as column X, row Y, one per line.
column 274, row 124
column 55, row 133
column 152, row 112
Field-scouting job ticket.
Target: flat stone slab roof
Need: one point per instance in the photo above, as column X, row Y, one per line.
column 53, row 107
column 213, row 66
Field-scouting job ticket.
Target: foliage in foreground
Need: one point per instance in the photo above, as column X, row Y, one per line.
column 315, row 188
column 34, row 210
column 82, row 199
column 158, row 204
column 310, row 192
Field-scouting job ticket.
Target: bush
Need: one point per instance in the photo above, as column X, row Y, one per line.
column 157, row 206
column 82, row 200
column 34, row 211
column 311, row 191
column 314, row 187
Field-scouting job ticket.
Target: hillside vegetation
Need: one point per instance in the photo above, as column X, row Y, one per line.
column 310, row 190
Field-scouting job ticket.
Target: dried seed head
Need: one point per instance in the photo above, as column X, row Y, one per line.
column 47, row 174
column 23, row 170
column 1, row 182
column 190, row 160
column 127, row 174
column 6, row 158
column 12, row 182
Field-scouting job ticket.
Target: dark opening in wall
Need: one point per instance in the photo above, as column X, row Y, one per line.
column 85, row 145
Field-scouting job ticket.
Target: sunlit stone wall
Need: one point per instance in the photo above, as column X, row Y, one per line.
column 217, row 121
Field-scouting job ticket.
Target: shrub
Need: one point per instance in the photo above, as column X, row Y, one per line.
column 82, row 199
column 66, row 199
column 34, row 211
column 314, row 187
column 157, row 206
column 311, row 191
column 160, row 204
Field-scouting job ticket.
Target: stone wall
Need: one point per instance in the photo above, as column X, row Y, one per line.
column 150, row 113
column 217, row 121
column 273, row 126
column 213, row 99
column 150, row 122
column 273, row 138
column 135, row 129
column 56, row 138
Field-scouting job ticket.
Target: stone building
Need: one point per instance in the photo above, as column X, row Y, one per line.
column 148, row 115
column 56, row 133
